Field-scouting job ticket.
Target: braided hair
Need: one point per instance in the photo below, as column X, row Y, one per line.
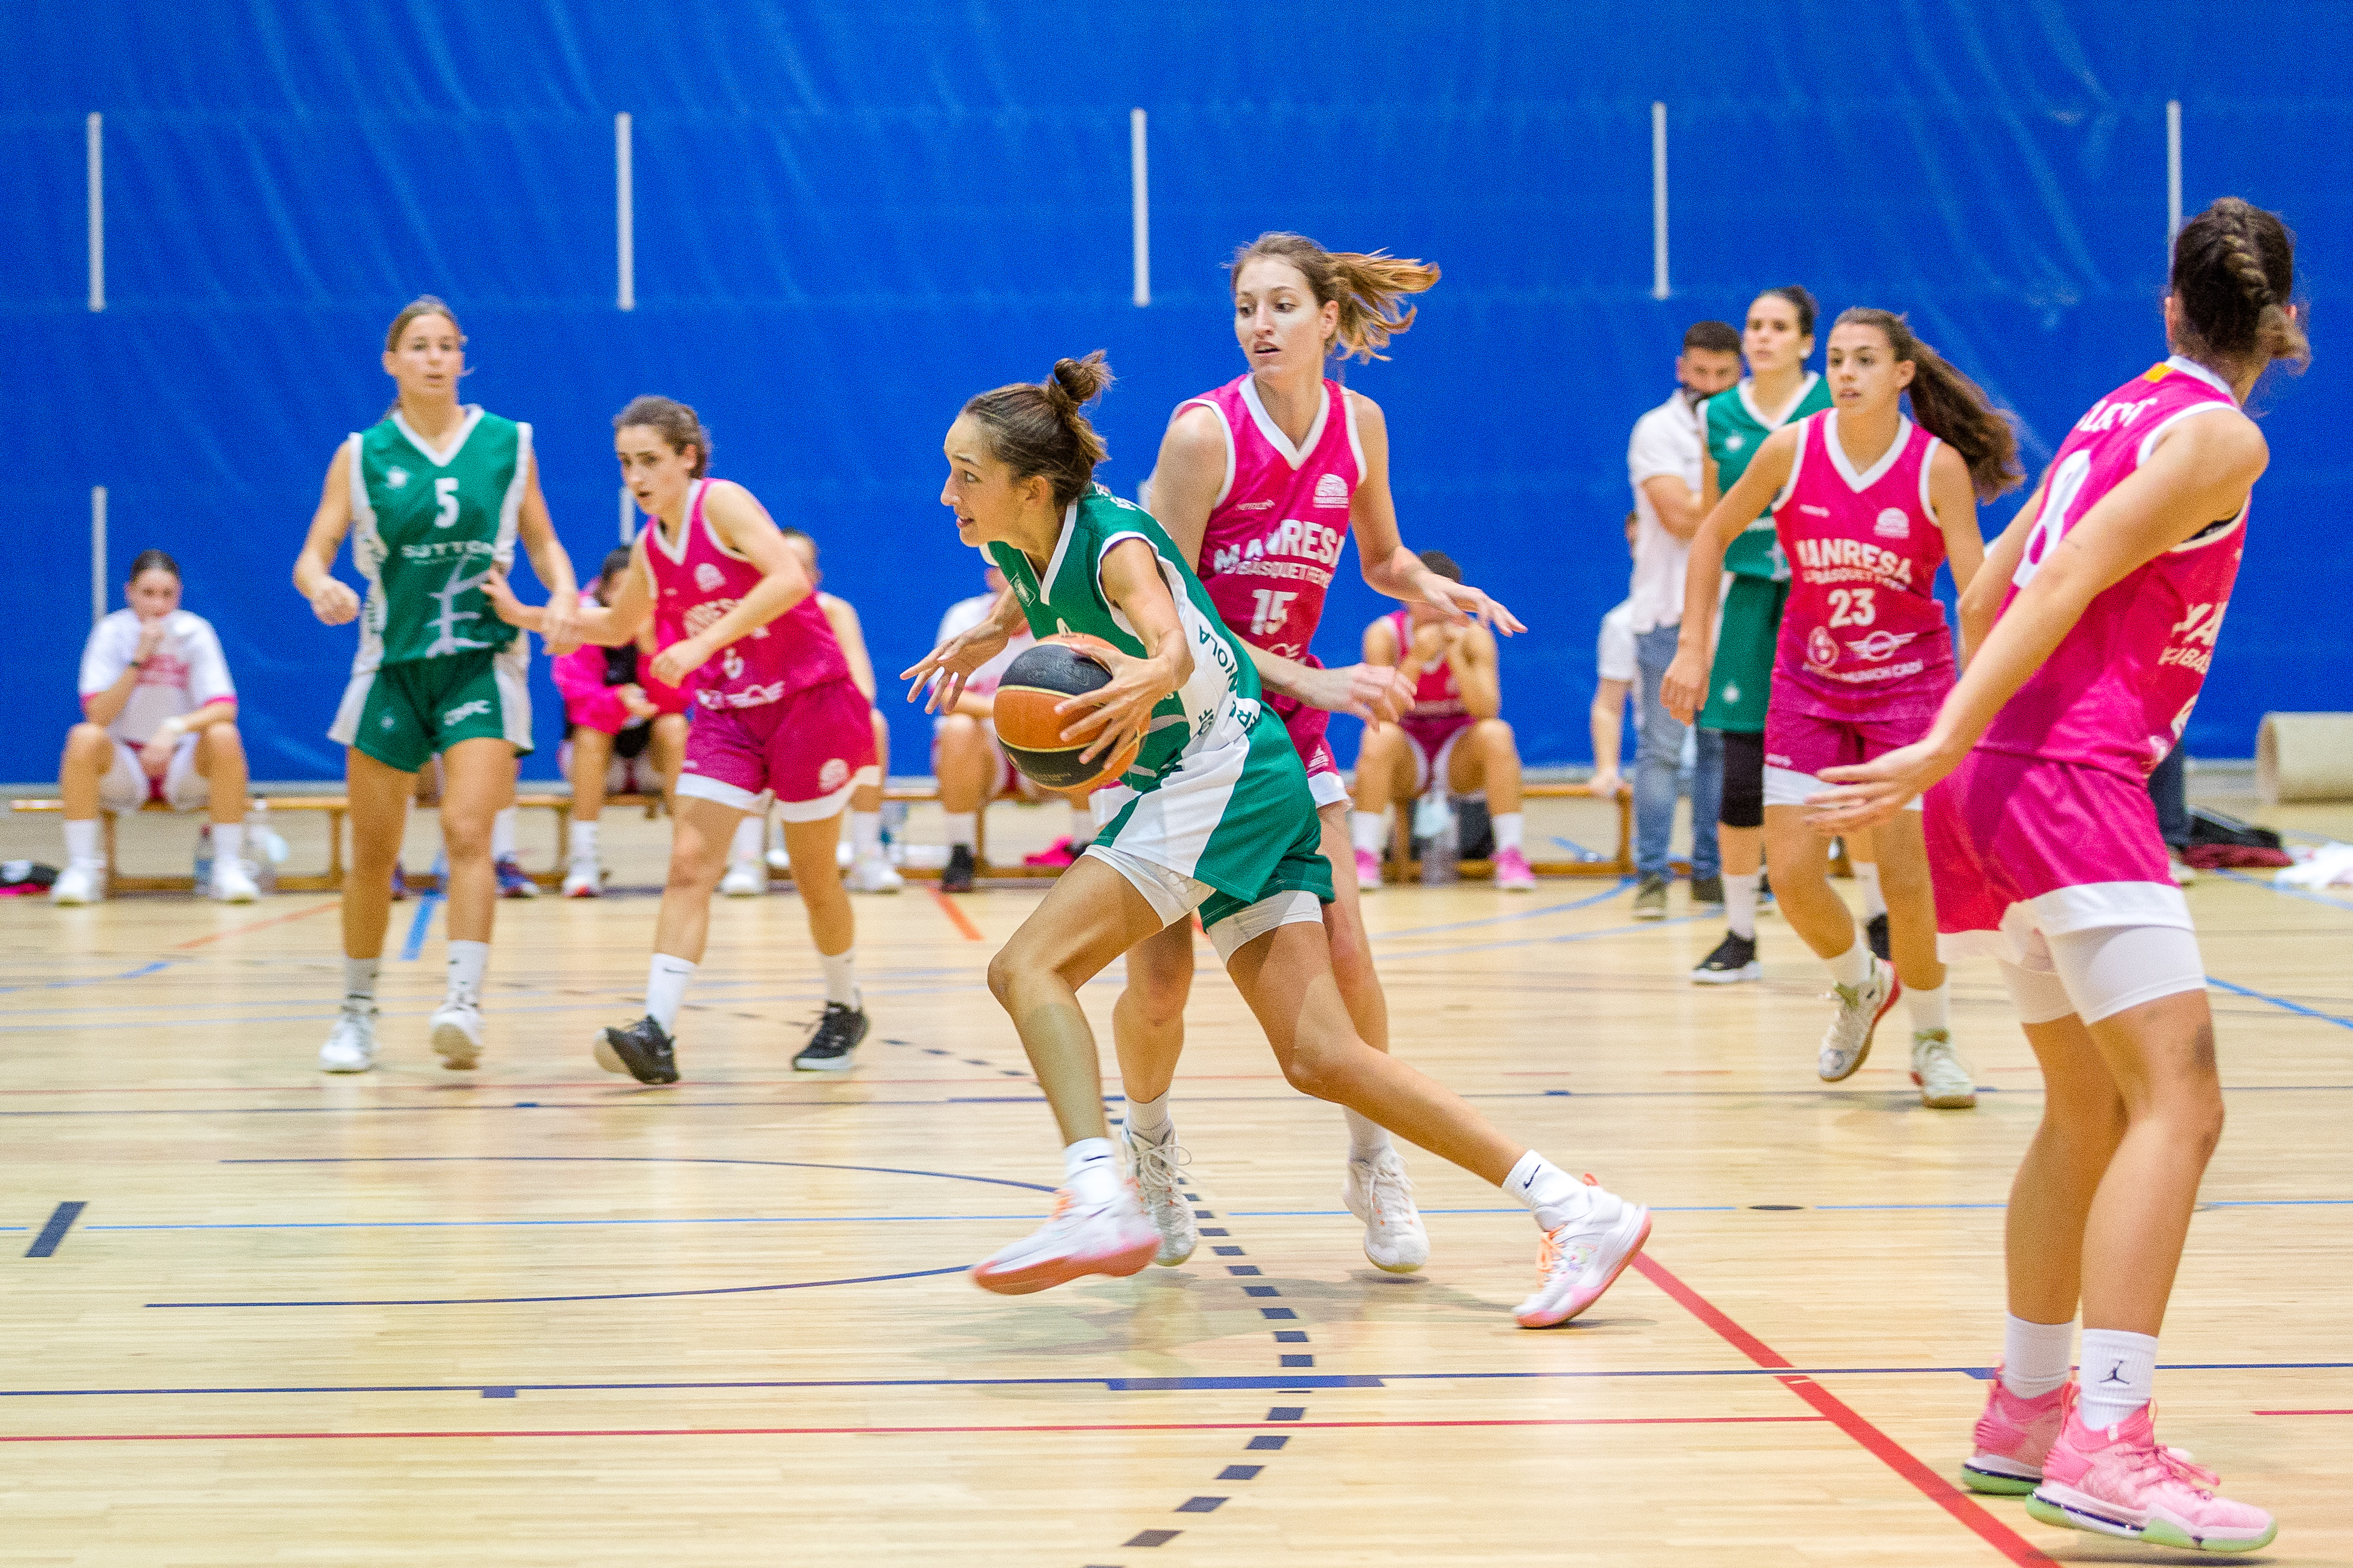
column 2233, row 276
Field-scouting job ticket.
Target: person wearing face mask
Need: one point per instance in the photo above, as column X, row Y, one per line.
column 1665, row 462
column 436, row 498
column 1777, row 340
column 159, row 722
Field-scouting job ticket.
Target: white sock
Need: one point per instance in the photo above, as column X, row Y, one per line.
column 468, row 960
column 866, row 833
column 1369, row 830
column 962, row 825
column 502, row 827
column 1507, row 829
column 1090, row 1170
column 745, row 849
column 583, row 840
column 840, row 977
column 1874, row 903
column 1852, row 967
column 1740, row 904
column 228, row 840
column 1551, row 1194
column 2119, row 1376
column 1149, row 1120
column 83, row 846
column 666, row 979
column 359, row 982
column 1367, row 1139
column 2034, row 1356
column 1931, row 1009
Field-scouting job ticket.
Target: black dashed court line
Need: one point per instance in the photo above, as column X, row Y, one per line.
column 61, row 1220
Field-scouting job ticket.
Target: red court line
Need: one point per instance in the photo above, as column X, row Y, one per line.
column 1931, row 1485
column 2304, row 1412
column 256, row 925
column 890, row 1431
column 956, row 917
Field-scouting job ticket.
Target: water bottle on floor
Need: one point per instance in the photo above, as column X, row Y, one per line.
column 205, row 857
column 1434, row 823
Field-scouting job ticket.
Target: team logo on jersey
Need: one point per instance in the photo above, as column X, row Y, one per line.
column 833, row 775
column 1331, row 491
column 1892, row 524
column 396, row 477
column 465, row 711
column 1821, row 648
column 731, row 664
column 1733, row 443
column 1255, row 505
column 708, row 577
column 1877, row 646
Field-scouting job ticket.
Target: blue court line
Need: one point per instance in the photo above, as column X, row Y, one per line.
column 508, row 1224
column 2291, row 891
column 630, row 1160
column 606, row 1295
column 1115, row 1385
column 2283, row 1001
column 1573, row 845
column 93, row 980
column 417, row 928
column 1604, row 896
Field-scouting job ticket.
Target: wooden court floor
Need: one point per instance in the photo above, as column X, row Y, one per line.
column 535, row 1315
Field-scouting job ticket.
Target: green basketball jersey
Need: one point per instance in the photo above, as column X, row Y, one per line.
column 426, row 532
column 1736, row 428
column 1218, row 705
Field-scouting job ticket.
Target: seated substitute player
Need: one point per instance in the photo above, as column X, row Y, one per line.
column 159, row 722
column 626, row 730
column 870, row 870
column 1450, row 736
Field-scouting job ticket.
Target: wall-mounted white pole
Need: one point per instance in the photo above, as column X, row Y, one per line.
column 2172, row 175
column 1141, row 185
column 96, row 553
column 624, row 219
column 628, row 515
column 1657, row 201
column 95, row 131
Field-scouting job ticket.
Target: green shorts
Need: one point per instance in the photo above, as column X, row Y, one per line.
column 403, row 714
column 1742, row 680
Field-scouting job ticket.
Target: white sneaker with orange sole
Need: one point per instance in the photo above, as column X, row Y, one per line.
column 1116, row 1239
column 1583, row 1258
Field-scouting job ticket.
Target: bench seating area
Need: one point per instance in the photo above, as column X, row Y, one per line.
column 330, row 880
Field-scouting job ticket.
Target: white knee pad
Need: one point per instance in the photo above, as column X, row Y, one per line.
column 2111, row 968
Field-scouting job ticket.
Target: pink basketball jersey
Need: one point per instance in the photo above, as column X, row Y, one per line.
column 1278, row 526
column 1438, row 710
column 696, row 581
column 1863, row 635
column 2118, row 691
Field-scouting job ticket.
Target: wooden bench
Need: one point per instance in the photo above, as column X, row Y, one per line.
column 1403, row 867
column 331, row 881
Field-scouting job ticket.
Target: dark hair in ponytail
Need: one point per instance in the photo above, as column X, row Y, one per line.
column 152, row 561
column 1949, row 405
column 1800, row 300
column 1036, row 426
column 2234, row 273
column 679, row 427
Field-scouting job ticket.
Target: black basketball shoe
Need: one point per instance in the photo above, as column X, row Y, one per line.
column 957, row 878
column 836, row 1035
column 1876, row 934
column 1734, row 960
column 643, row 1051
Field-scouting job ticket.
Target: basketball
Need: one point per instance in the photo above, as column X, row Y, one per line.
column 1054, row 671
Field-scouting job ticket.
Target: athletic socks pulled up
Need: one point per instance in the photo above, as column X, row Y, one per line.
column 1149, row 1120
column 83, row 845
column 1369, row 830
column 2119, row 1376
column 1553, row 1195
column 583, row 840
column 866, row 835
column 1849, row 968
column 502, row 835
column 840, row 977
column 744, row 850
column 1508, row 825
column 468, row 962
column 1740, row 904
column 1866, row 874
column 2035, row 1356
column 666, row 979
column 1367, row 1139
column 962, row 828
column 1091, row 1171
column 1931, row 1009
column 359, row 982
column 228, row 840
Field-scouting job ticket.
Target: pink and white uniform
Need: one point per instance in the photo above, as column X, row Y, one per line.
column 1865, row 657
column 1274, row 536
column 1438, row 717
column 775, row 711
column 2047, row 829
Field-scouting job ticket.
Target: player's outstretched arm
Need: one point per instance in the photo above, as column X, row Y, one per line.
column 1389, row 567
column 607, row 625
column 944, row 671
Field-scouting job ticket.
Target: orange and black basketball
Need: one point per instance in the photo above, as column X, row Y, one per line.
column 1053, row 672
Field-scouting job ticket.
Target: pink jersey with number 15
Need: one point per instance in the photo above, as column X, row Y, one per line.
column 2118, row 691
column 1862, row 636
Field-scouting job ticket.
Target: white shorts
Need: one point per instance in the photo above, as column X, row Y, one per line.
column 2101, row 971
column 1787, row 787
column 1328, row 789
column 1173, row 896
column 127, row 787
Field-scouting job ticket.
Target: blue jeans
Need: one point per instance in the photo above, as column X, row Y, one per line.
column 1657, row 757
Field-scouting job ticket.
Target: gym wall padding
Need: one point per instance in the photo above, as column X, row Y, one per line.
column 851, row 217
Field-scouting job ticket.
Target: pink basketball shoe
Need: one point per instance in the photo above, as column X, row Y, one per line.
column 2013, row 1436
column 2118, row 1480
column 1512, row 873
column 1369, row 869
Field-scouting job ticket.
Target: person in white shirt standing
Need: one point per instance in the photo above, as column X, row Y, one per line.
column 1663, row 461
column 159, row 722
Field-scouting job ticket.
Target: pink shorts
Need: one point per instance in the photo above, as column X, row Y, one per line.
column 807, row 751
column 2021, row 848
column 1799, row 746
column 1434, row 746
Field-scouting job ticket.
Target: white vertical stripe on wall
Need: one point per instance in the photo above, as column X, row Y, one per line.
column 2172, row 175
column 97, row 553
column 624, row 213
column 1141, row 200
column 628, row 515
column 1657, row 201
column 96, row 130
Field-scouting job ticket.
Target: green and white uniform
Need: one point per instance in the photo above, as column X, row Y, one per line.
column 436, row 665
column 1742, row 679
column 1221, row 818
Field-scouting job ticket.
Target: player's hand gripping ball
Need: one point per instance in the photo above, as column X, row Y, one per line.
column 1056, row 670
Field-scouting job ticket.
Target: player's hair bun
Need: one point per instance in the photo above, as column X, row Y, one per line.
column 1076, row 383
column 1036, row 426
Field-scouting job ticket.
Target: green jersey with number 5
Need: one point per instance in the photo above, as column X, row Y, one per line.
column 1736, row 427
column 427, row 525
